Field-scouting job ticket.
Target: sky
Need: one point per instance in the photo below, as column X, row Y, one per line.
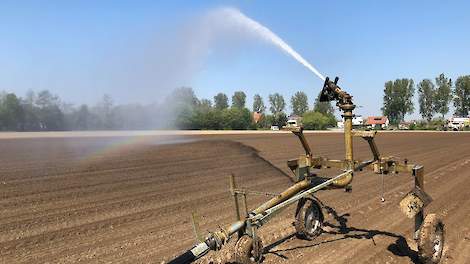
column 138, row 51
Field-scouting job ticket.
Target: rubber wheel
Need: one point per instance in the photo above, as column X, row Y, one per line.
column 245, row 252
column 431, row 240
column 308, row 219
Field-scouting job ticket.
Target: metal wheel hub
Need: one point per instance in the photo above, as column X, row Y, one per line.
column 437, row 245
column 312, row 217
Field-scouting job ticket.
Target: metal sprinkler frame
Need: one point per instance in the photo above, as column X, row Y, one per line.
column 428, row 231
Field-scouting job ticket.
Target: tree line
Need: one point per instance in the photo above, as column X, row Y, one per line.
column 434, row 98
column 44, row 111
column 181, row 109
column 219, row 114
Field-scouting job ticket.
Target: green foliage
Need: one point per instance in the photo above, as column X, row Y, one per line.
column 207, row 119
column 31, row 119
column 258, row 104
column 277, row 103
column 435, row 124
column 203, row 116
column 299, row 103
column 268, row 121
column 182, row 109
column 221, row 101
column 398, row 99
column 105, row 110
column 236, row 118
column 426, row 95
column 323, row 107
column 279, row 119
column 11, row 112
column 83, row 118
column 186, row 119
column 182, row 103
column 443, row 94
column 205, row 104
column 462, row 96
column 47, row 108
column 238, row 99
column 317, row 121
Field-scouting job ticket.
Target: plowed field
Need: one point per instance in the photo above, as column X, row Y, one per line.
column 129, row 200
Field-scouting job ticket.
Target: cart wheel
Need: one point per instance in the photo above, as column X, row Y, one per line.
column 245, row 253
column 308, row 219
column 431, row 240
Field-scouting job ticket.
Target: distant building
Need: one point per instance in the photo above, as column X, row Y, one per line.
column 357, row 121
column 340, row 124
column 377, row 122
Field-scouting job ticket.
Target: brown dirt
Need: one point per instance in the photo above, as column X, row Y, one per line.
column 66, row 200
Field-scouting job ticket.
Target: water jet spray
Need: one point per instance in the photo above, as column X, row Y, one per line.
column 244, row 22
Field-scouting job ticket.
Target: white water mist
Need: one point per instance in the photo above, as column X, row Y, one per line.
column 235, row 16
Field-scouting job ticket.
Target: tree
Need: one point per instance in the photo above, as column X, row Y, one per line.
column 180, row 106
column 323, row 107
column 238, row 99
column 11, row 112
column 205, row 104
column 50, row 115
column 236, row 118
column 277, row 103
column 83, row 118
column 183, row 97
column 462, row 96
column 443, row 94
column 106, row 110
column 426, row 95
column 206, row 117
column 299, row 103
column 313, row 120
column 31, row 119
column 398, row 99
column 221, row 101
column 258, row 104
column 279, row 119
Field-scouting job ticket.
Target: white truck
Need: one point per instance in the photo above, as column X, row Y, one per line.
column 292, row 123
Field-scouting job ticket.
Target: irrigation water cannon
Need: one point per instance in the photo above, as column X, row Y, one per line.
column 428, row 230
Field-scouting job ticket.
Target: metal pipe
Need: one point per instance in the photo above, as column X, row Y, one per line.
column 291, row 191
column 373, row 148
column 303, row 141
column 265, row 215
column 418, row 173
column 331, row 91
column 233, row 186
column 213, row 242
column 191, row 255
column 217, row 239
column 348, row 145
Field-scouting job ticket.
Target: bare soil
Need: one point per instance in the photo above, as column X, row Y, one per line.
column 129, row 199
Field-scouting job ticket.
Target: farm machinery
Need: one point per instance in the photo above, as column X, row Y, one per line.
column 428, row 229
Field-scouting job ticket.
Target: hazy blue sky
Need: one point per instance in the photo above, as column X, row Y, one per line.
column 138, row 50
